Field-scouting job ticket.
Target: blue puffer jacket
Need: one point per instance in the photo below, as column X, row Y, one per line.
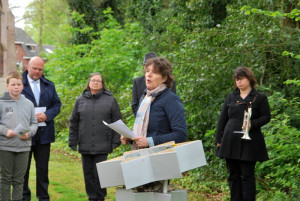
column 48, row 99
column 167, row 119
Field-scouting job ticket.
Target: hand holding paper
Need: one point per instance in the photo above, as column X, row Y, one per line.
column 121, row 128
column 10, row 133
column 39, row 110
column 20, row 130
column 25, row 136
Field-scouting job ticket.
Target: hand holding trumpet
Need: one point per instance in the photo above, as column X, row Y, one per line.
column 245, row 125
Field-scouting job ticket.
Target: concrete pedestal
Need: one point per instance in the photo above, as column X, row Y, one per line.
column 128, row 195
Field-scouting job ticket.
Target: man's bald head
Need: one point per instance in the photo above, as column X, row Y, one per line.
column 35, row 68
column 36, row 60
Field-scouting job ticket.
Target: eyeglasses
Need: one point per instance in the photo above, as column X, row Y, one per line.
column 98, row 81
column 36, row 69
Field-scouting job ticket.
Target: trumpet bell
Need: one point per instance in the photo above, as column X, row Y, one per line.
column 246, row 137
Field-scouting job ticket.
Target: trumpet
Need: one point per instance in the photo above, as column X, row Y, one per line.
column 246, row 125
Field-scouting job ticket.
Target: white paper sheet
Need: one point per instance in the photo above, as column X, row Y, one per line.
column 40, row 110
column 121, row 128
column 20, row 130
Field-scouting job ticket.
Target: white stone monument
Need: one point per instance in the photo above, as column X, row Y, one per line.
column 158, row 163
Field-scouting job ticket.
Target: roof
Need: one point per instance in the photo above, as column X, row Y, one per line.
column 22, row 38
column 48, row 48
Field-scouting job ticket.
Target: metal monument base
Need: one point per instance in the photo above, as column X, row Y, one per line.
column 129, row 195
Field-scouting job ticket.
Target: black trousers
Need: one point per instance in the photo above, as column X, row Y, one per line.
column 91, row 178
column 41, row 154
column 241, row 180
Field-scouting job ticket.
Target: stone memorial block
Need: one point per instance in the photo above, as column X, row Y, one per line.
column 162, row 162
column 190, row 155
column 154, row 167
column 110, row 172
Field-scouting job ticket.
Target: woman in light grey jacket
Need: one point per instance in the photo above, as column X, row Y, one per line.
column 15, row 111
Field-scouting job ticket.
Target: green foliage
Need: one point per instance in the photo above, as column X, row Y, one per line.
column 204, row 50
column 88, row 13
column 53, row 32
column 207, row 59
column 282, row 171
column 165, row 23
column 204, row 65
column 294, row 81
column 116, row 55
column 94, row 15
column 294, row 14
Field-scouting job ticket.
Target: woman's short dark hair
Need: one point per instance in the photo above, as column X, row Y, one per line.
column 92, row 75
column 245, row 72
column 163, row 67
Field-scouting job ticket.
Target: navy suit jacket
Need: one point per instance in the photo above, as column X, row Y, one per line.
column 48, row 99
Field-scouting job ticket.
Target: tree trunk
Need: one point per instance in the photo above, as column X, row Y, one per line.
column 41, row 27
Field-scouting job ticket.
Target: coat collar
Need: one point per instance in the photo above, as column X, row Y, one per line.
column 44, row 84
column 157, row 94
column 250, row 98
column 6, row 96
column 42, row 79
column 87, row 93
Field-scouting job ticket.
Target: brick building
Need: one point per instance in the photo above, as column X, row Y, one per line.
column 7, row 39
column 27, row 48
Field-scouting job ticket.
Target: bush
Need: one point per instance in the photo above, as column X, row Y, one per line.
column 203, row 60
column 282, row 171
column 116, row 55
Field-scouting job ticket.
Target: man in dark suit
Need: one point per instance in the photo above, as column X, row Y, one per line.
column 41, row 92
column 139, row 86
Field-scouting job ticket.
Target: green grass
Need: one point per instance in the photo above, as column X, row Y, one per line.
column 66, row 179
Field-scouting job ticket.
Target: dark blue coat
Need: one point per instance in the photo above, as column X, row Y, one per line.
column 167, row 119
column 48, row 99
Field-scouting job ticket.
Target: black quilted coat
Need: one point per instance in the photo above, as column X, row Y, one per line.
column 86, row 123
